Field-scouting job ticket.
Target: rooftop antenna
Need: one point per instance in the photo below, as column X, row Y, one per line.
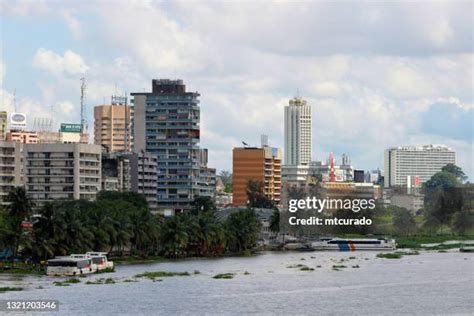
column 298, row 93
column 14, row 99
column 83, row 110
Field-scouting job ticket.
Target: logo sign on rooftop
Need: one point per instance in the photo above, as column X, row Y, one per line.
column 17, row 121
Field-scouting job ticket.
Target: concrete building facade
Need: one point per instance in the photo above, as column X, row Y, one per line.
column 11, row 167
column 297, row 132
column 143, row 174
column 166, row 124
column 113, row 126
column 22, row 137
column 258, row 164
column 423, row 162
column 62, row 171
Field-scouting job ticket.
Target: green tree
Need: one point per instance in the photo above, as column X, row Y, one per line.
column 18, row 210
column 456, row 171
column 463, row 221
column 242, row 228
column 226, row 178
column 203, row 204
column 175, row 236
column 275, row 221
column 403, row 221
column 208, row 233
column 256, row 195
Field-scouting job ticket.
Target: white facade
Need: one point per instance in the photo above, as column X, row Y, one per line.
column 294, row 173
column 343, row 173
column 297, row 132
column 423, row 162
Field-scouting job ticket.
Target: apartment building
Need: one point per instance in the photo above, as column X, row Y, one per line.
column 25, row 137
column 62, row 171
column 143, row 175
column 258, row 164
column 11, row 167
column 403, row 163
column 166, row 124
column 113, row 124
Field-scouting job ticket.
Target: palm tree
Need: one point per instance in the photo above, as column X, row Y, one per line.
column 174, row 236
column 19, row 210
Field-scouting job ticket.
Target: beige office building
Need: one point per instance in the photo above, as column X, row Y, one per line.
column 11, row 167
column 112, row 127
column 62, row 171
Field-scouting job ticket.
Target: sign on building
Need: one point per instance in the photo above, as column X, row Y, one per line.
column 17, row 121
column 70, row 128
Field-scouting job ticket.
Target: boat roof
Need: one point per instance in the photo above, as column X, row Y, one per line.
column 66, row 259
column 359, row 239
column 80, row 255
column 92, row 253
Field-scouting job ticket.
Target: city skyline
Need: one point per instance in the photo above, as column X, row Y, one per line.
column 367, row 93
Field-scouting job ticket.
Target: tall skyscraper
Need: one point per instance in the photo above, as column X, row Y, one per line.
column 112, row 125
column 258, row 164
column 166, row 123
column 403, row 163
column 3, row 125
column 297, row 132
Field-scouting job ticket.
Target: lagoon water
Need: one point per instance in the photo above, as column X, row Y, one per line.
column 425, row 284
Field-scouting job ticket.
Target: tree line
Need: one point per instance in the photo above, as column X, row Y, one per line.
column 121, row 223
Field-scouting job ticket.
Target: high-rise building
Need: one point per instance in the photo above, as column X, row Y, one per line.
column 131, row 172
column 115, row 172
column 297, row 132
column 403, row 163
column 258, row 164
column 62, row 171
column 113, row 124
column 143, row 174
column 166, row 124
column 11, row 167
column 3, row 125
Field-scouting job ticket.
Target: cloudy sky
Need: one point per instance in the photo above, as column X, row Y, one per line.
column 376, row 75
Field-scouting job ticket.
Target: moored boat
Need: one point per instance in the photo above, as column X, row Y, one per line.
column 354, row 244
column 70, row 266
column 100, row 259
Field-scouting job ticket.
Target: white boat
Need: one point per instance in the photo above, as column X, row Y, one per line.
column 100, row 259
column 70, row 266
column 354, row 244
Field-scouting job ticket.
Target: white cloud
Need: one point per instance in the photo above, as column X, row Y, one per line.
column 369, row 70
column 73, row 23
column 70, row 63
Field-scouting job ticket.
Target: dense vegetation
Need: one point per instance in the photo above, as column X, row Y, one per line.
column 121, row 223
column 449, row 209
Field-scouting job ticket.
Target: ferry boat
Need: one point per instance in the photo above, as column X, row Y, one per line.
column 354, row 244
column 70, row 266
column 100, row 259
